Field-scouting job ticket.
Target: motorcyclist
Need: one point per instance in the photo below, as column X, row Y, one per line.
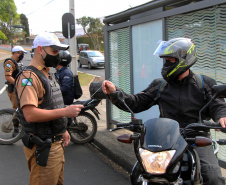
column 181, row 99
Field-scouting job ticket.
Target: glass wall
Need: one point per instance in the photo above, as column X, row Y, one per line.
column 120, row 67
column 146, row 66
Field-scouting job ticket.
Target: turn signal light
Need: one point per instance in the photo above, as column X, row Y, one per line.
column 125, row 138
column 203, row 141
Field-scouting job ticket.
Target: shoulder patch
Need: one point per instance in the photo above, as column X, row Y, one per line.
column 7, row 69
column 27, row 82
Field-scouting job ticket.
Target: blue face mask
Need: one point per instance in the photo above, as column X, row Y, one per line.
column 51, row 60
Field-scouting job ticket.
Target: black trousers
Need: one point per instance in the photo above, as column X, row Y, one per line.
column 210, row 169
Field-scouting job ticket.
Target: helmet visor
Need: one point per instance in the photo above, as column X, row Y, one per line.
column 170, row 49
column 161, row 48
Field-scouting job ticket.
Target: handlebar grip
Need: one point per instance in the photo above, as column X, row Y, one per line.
column 122, row 124
column 222, row 142
column 211, row 124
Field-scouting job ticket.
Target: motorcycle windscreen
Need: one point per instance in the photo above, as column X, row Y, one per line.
column 160, row 134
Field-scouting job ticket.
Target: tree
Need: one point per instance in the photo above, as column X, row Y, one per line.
column 24, row 22
column 8, row 12
column 95, row 30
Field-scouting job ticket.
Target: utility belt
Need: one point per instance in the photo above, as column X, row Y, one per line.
column 43, row 146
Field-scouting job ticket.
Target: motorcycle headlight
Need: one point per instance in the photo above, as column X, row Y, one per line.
column 156, row 162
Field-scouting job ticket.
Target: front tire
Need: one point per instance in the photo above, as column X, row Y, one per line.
column 89, row 65
column 80, row 65
column 7, row 136
column 83, row 128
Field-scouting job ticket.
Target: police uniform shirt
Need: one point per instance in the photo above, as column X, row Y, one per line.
column 9, row 67
column 29, row 87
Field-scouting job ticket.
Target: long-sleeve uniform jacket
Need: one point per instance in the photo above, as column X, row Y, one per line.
column 180, row 101
column 65, row 79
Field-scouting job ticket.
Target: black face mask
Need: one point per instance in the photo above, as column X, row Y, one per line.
column 167, row 68
column 51, row 60
column 21, row 57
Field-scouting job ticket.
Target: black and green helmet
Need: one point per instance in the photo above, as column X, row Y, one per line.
column 180, row 48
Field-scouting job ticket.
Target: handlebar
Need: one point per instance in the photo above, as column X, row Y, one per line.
column 135, row 125
column 211, row 124
column 122, row 124
column 204, row 126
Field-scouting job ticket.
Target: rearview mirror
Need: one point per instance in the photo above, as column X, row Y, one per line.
column 121, row 98
column 219, row 91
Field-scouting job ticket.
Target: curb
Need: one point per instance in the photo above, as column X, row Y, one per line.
column 118, row 159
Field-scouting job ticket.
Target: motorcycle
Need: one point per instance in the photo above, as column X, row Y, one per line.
column 164, row 152
column 82, row 128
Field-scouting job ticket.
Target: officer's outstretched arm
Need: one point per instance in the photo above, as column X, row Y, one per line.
column 34, row 114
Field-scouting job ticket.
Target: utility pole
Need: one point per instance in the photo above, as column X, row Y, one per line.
column 73, row 43
column 10, row 26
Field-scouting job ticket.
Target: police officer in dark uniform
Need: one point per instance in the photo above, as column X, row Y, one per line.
column 43, row 114
column 181, row 99
column 65, row 77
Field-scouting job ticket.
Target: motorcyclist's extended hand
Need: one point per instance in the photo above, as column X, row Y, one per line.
column 73, row 110
column 222, row 121
column 108, row 87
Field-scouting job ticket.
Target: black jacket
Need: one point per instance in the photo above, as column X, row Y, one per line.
column 180, row 101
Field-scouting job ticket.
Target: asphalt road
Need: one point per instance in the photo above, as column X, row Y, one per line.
column 95, row 71
column 84, row 164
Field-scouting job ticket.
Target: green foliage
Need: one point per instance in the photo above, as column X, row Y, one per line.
column 24, row 22
column 87, row 40
column 2, row 36
column 7, row 6
column 8, row 11
column 95, row 30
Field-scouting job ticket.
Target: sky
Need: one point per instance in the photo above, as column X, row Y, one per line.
column 46, row 15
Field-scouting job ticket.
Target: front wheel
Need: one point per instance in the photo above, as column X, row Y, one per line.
column 83, row 128
column 89, row 65
column 10, row 127
column 79, row 63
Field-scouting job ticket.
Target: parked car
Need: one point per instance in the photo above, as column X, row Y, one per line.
column 91, row 58
column 82, row 47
